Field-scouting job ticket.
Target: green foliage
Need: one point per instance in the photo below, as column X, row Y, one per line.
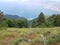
column 57, row 20
column 3, row 24
column 21, row 23
column 17, row 42
column 54, row 20
column 34, row 23
column 16, row 23
column 41, row 18
column 40, row 21
column 10, row 23
column 6, row 22
column 51, row 21
column 1, row 16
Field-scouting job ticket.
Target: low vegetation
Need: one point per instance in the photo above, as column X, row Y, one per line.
column 31, row 36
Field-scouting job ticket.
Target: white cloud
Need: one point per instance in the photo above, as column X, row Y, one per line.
column 8, row 0
column 52, row 7
column 21, row 1
column 42, row 3
column 31, row 4
column 24, row 0
column 30, row 18
column 55, row 0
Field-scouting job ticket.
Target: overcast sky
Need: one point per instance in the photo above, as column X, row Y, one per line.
column 30, row 8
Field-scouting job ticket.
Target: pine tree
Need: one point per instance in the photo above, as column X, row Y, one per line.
column 1, row 16
column 41, row 19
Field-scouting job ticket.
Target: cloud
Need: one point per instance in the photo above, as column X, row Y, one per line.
column 50, row 4
column 52, row 7
column 30, row 18
column 8, row 0
column 34, row 4
column 24, row 0
column 55, row 0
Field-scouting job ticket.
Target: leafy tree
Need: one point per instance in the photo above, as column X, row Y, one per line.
column 17, row 23
column 57, row 20
column 54, row 20
column 21, row 23
column 34, row 22
column 2, row 20
column 51, row 20
column 10, row 22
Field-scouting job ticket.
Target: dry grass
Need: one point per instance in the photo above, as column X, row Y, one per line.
column 13, row 34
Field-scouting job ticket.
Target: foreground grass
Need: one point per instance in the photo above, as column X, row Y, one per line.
column 12, row 35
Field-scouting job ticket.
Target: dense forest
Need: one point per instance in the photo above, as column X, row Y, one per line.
column 40, row 21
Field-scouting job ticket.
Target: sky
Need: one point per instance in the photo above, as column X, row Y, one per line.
column 30, row 8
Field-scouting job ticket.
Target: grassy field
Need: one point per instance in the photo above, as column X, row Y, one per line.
column 30, row 36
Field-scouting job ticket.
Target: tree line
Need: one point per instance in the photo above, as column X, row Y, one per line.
column 17, row 23
column 44, row 21
column 40, row 21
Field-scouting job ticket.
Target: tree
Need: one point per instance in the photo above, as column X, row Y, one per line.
column 21, row 23
column 41, row 19
column 2, row 20
column 34, row 22
column 51, row 20
column 10, row 22
column 1, row 16
column 57, row 20
column 17, row 23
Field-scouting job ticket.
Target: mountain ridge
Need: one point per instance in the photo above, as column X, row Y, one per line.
column 13, row 17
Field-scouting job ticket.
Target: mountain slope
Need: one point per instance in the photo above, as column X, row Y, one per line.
column 13, row 17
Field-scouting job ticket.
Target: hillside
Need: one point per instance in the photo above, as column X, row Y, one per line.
column 13, row 17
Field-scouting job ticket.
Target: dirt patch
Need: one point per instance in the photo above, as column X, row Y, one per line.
column 30, row 36
column 7, row 40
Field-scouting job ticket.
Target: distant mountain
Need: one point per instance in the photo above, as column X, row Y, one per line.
column 13, row 17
